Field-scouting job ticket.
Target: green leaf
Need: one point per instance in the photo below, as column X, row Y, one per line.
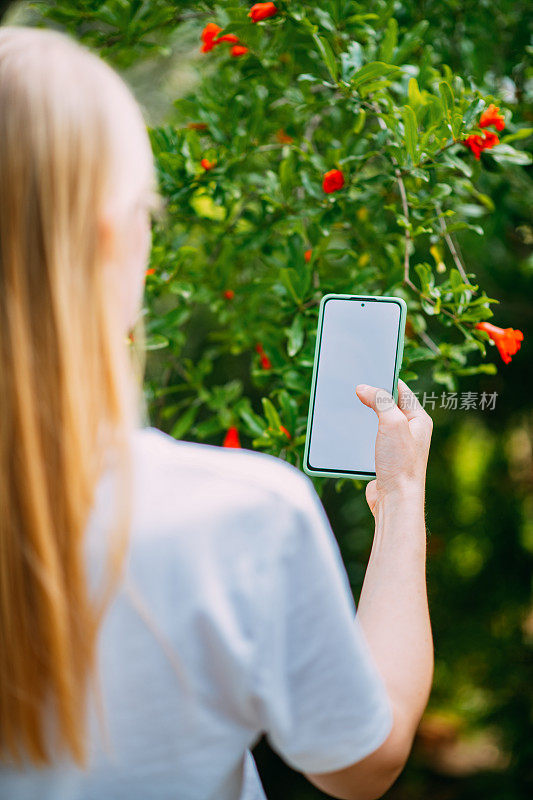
column 483, row 369
column 427, row 279
column 295, row 335
column 411, row 40
column 523, row 133
column 411, row 132
column 289, row 408
column 471, row 210
column 458, row 163
column 184, row 423
column 360, row 121
column 446, row 95
column 254, row 422
column 208, row 428
column 389, row 41
column 271, row 414
column 458, row 286
column 505, row 154
column 372, row 71
column 156, row 342
column 472, row 111
column 327, row 55
column 286, row 175
column 414, row 94
column 374, row 86
column 285, row 278
column 351, row 60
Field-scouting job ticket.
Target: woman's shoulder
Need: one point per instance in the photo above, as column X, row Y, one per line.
column 210, row 504
column 162, row 458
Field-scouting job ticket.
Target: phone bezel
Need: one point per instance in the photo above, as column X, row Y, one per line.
column 332, row 473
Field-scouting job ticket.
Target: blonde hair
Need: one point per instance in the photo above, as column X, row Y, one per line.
column 69, row 391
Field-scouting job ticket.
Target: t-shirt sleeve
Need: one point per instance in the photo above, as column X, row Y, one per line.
column 323, row 704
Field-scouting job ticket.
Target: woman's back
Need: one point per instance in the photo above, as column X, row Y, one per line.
column 233, row 619
column 229, row 613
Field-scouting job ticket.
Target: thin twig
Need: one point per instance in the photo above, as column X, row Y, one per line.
column 429, row 159
column 428, row 341
column 310, row 129
column 264, row 148
column 451, row 246
column 405, row 207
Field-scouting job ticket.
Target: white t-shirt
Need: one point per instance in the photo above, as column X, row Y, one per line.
column 236, row 619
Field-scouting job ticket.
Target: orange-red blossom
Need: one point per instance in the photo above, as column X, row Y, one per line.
column 333, row 181
column 283, row 137
column 265, row 361
column 231, row 439
column 492, row 116
column 210, row 38
column 476, row 143
column 507, row 340
column 238, row 50
column 260, row 11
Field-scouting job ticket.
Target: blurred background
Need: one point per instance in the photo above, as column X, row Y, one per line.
column 475, row 740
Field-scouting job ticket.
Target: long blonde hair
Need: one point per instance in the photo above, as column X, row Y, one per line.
column 69, row 392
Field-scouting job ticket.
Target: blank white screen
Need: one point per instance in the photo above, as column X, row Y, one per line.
column 358, row 345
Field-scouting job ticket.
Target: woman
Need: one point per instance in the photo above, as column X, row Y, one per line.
column 163, row 604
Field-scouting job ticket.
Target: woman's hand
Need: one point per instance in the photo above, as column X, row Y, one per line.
column 402, row 444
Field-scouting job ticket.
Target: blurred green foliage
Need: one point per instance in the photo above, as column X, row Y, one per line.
column 384, row 91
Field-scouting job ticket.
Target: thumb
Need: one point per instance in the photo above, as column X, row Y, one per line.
column 367, row 395
column 378, row 400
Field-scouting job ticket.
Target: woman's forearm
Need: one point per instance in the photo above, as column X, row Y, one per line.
column 393, row 608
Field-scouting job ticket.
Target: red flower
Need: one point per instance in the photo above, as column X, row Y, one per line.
column 238, row 50
column 261, row 11
column 229, row 294
column 208, row 36
column 150, row 271
column 284, row 430
column 490, row 139
column 207, row 165
column 197, row 126
column 231, row 439
column 333, row 181
column 507, row 340
column 308, row 255
column 477, row 143
column 230, row 38
column 283, row 138
column 491, row 116
column 265, row 361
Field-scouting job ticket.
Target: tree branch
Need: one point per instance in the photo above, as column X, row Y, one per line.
column 405, row 207
column 451, row 246
column 428, row 341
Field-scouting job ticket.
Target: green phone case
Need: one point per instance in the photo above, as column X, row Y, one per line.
column 399, row 354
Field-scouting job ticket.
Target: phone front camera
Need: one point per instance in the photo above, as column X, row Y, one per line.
column 362, row 304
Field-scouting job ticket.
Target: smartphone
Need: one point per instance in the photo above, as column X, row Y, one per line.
column 359, row 340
